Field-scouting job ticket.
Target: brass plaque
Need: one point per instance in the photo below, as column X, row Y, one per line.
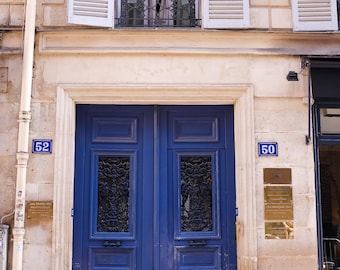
column 277, row 175
column 3, row 87
column 278, row 194
column 39, row 209
column 278, row 211
column 279, row 230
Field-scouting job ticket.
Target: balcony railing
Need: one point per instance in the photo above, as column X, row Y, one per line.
column 158, row 13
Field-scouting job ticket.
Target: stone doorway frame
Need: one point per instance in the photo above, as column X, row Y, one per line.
column 239, row 95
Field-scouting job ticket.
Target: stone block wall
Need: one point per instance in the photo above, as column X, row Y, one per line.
column 264, row 14
column 280, row 113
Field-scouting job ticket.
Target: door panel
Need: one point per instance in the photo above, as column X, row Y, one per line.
column 113, row 174
column 154, row 188
column 113, row 205
column 198, row 144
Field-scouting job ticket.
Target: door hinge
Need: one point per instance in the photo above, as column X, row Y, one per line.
column 236, row 212
column 72, row 212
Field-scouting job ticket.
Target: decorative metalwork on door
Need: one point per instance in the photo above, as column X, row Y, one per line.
column 196, row 194
column 154, row 188
column 113, row 194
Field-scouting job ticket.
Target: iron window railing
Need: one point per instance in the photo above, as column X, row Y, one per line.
column 158, row 13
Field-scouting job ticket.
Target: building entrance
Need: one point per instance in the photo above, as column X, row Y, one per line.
column 326, row 109
column 329, row 156
column 154, row 188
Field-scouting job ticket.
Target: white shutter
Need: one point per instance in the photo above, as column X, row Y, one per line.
column 225, row 13
column 314, row 15
column 91, row 12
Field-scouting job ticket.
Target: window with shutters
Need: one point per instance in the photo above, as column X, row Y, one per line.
column 315, row 15
column 160, row 13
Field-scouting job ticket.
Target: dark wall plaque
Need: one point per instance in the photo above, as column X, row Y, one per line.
column 277, row 175
column 39, row 209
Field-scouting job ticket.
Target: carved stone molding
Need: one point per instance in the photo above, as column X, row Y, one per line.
column 192, row 42
column 241, row 96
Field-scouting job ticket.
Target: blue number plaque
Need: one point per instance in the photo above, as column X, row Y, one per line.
column 42, row 146
column 268, row 149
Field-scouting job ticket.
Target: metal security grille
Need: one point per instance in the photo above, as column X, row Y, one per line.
column 158, row 13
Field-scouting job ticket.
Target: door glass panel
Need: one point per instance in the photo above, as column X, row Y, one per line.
column 330, row 203
column 196, row 193
column 330, row 121
column 113, row 194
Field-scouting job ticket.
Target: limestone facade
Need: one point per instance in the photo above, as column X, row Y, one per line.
column 83, row 65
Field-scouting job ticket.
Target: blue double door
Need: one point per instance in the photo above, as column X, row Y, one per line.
column 154, row 188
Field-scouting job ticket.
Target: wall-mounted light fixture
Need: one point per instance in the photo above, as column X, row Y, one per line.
column 292, row 76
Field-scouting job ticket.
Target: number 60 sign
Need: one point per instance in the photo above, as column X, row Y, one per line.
column 42, row 146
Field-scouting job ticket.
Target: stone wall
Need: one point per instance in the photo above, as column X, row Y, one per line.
column 96, row 59
column 264, row 14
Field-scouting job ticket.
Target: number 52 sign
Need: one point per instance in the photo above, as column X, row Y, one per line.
column 42, row 146
column 268, row 149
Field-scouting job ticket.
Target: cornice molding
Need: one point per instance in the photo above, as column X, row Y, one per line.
column 188, row 42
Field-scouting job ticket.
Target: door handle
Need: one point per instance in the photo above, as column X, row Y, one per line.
column 112, row 243
column 197, row 243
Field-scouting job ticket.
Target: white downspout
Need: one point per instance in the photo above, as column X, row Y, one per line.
column 23, row 135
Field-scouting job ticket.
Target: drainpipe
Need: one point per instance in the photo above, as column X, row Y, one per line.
column 23, row 135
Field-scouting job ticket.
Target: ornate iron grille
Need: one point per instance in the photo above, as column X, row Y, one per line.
column 196, row 194
column 113, row 194
column 158, row 13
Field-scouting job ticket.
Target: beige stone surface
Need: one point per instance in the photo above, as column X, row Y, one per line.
column 259, row 18
column 54, row 2
column 259, row 2
column 269, row 3
column 37, row 256
column 54, row 15
column 8, row 126
column 43, row 119
column 7, row 181
column 17, row 15
column 288, row 262
column 280, row 2
column 123, row 66
column 41, row 168
column 32, row 191
column 4, row 14
column 286, row 115
column 301, row 246
column 279, row 113
column 281, row 18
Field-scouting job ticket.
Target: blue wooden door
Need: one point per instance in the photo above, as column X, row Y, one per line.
column 154, row 188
